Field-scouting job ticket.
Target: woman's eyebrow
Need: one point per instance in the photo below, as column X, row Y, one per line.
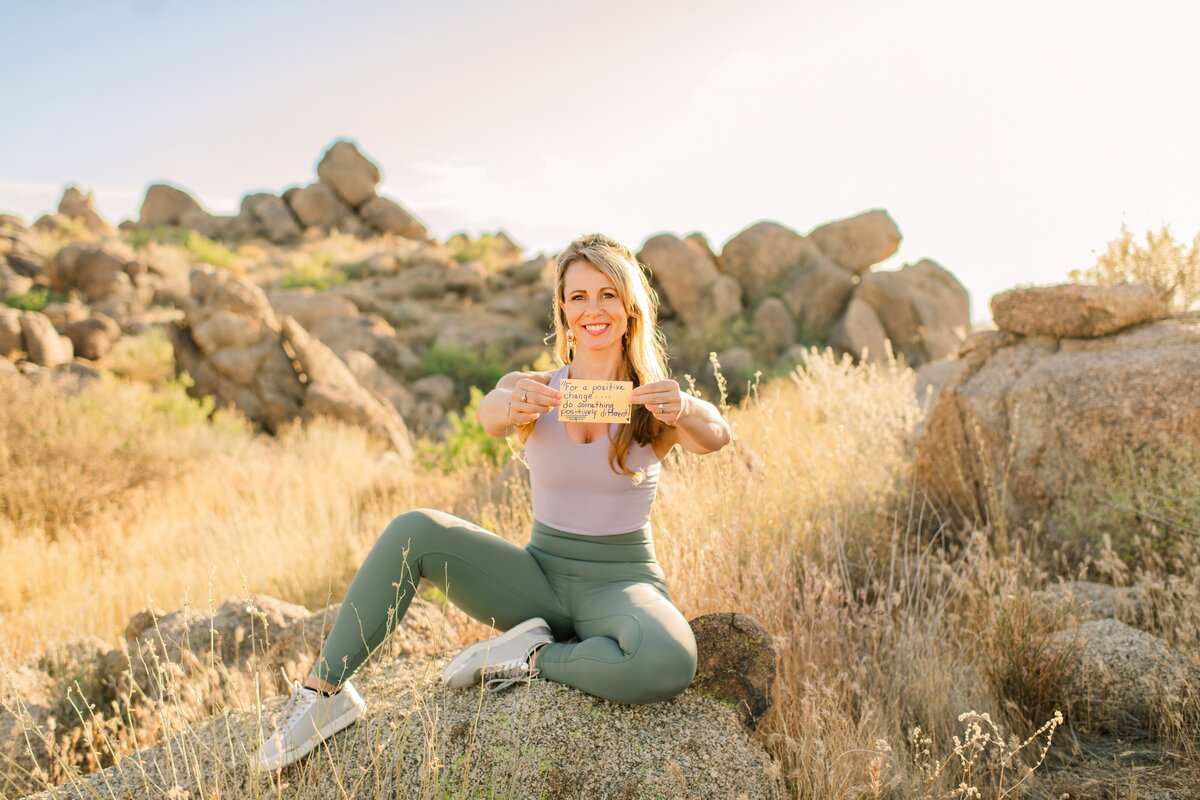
column 584, row 291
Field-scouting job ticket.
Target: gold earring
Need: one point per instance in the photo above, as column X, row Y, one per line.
column 570, row 343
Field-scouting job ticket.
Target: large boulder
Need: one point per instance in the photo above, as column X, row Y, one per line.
column 761, row 257
column 78, row 204
column 318, row 206
column 167, row 205
column 43, row 344
column 857, row 242
column 860, row 333
column 511, row 744
column 349, row 173
column 229, row 342
column 97, row 271
column 1125, row 678
column 817, row 295
column 683, row 272
column 331, row 390
column 1021, row 423
column 735, row 662
column 273, row 217
column 388, row 216
column 773, row 325
column 923, row 308
column 92, row 337
column 1073, row 310
column 12, row 340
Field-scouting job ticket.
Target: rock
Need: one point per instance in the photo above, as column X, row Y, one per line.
column 375, row 379
column 229, row 343
column 310, row 307
column 467, row 278
column 332, row 391
column 1073, row 310
column 683, row 273
column 349, row 173
column 388, row 216
column 337, row 322
column 97, row 271
column 76, row 204
column 763, row 255
column 1050, row 416
column 774, row 324
column 166, row 205
column 817, row 296
column 273, row 216
column 234, row 635
column 425, row 632
column 860, row 333
column 923, row 308
column 42, row 343
column 857, row 242
column 12, row 341
column 735, row 662
column 317, row 206
column 535, row 270
column 436, row 388
column 541, row 740
column 1125, row 678
column 725, row 299
column 1085, row 600
column 92, row 337
column 26, row 705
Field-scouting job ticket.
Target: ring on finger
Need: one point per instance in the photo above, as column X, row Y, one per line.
column 524, row 397
column 660, row 408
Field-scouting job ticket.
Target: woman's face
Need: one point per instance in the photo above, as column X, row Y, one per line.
column 594, row 311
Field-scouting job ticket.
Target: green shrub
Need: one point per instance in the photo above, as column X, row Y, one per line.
column 32, row 301
column 317, row 272
column 466, row 444
column 491, row 249
column 466, row 367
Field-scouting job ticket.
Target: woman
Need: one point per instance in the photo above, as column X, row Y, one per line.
column 589, row 571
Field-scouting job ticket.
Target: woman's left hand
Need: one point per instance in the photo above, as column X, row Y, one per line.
column 663, row 399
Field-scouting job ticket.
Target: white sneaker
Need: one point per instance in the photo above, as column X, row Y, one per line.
column 307, row 719
column 500, row 661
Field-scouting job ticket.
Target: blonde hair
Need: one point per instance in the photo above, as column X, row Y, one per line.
column 644, row 347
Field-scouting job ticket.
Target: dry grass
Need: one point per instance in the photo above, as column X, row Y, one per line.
column 908, row 667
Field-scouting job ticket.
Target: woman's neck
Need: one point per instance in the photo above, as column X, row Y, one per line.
column 596, row 367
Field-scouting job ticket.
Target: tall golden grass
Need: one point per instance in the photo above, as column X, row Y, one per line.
column 907, row 667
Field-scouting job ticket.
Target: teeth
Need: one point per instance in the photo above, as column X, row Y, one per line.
column 596, row 327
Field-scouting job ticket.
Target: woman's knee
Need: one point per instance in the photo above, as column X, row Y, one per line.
column 660, row 671
column 409, row 529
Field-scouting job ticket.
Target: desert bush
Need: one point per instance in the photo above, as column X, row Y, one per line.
column 465, row 444
column 147, row 357
column 198, row 246
column 492, row 250
column 1162, row 262
column 34, row 300
column 316, row 272
column 467, row 367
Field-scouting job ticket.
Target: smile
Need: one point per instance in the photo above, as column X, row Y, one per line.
column 596, row 329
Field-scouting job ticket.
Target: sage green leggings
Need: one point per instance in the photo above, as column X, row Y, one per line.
column 608, row 591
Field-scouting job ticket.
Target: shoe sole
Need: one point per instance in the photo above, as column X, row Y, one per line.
column 296, row 753
column 486, row 645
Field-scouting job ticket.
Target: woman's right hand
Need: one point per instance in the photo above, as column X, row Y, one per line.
column 530, row 399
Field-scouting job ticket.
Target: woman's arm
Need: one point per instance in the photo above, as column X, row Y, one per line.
column 501, row 410
column 700, row 428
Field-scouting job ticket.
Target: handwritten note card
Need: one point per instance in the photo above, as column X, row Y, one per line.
column 595, row 401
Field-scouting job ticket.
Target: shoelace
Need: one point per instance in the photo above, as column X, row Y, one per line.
column 296, row 705
column 501, row 676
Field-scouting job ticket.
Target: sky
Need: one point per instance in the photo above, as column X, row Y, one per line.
column 1009, row 141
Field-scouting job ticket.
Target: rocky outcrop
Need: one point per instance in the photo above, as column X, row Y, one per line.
column 42, row 343
column 351, row 175
column 97, row 271
column 922, row 307
column 237, row 350
column 92, row 337
column 273, row 217
column 698, row 743
column 1021, row 422
column 78, row 205
column 1071, row 310
column 683, row 272
column 167, row 205
column 387, row 216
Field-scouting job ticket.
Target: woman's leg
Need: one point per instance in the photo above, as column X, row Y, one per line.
column 488, row 577
column 636, row 646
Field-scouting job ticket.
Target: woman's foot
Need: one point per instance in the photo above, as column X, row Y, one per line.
column 501, row 660
column 307, row 719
